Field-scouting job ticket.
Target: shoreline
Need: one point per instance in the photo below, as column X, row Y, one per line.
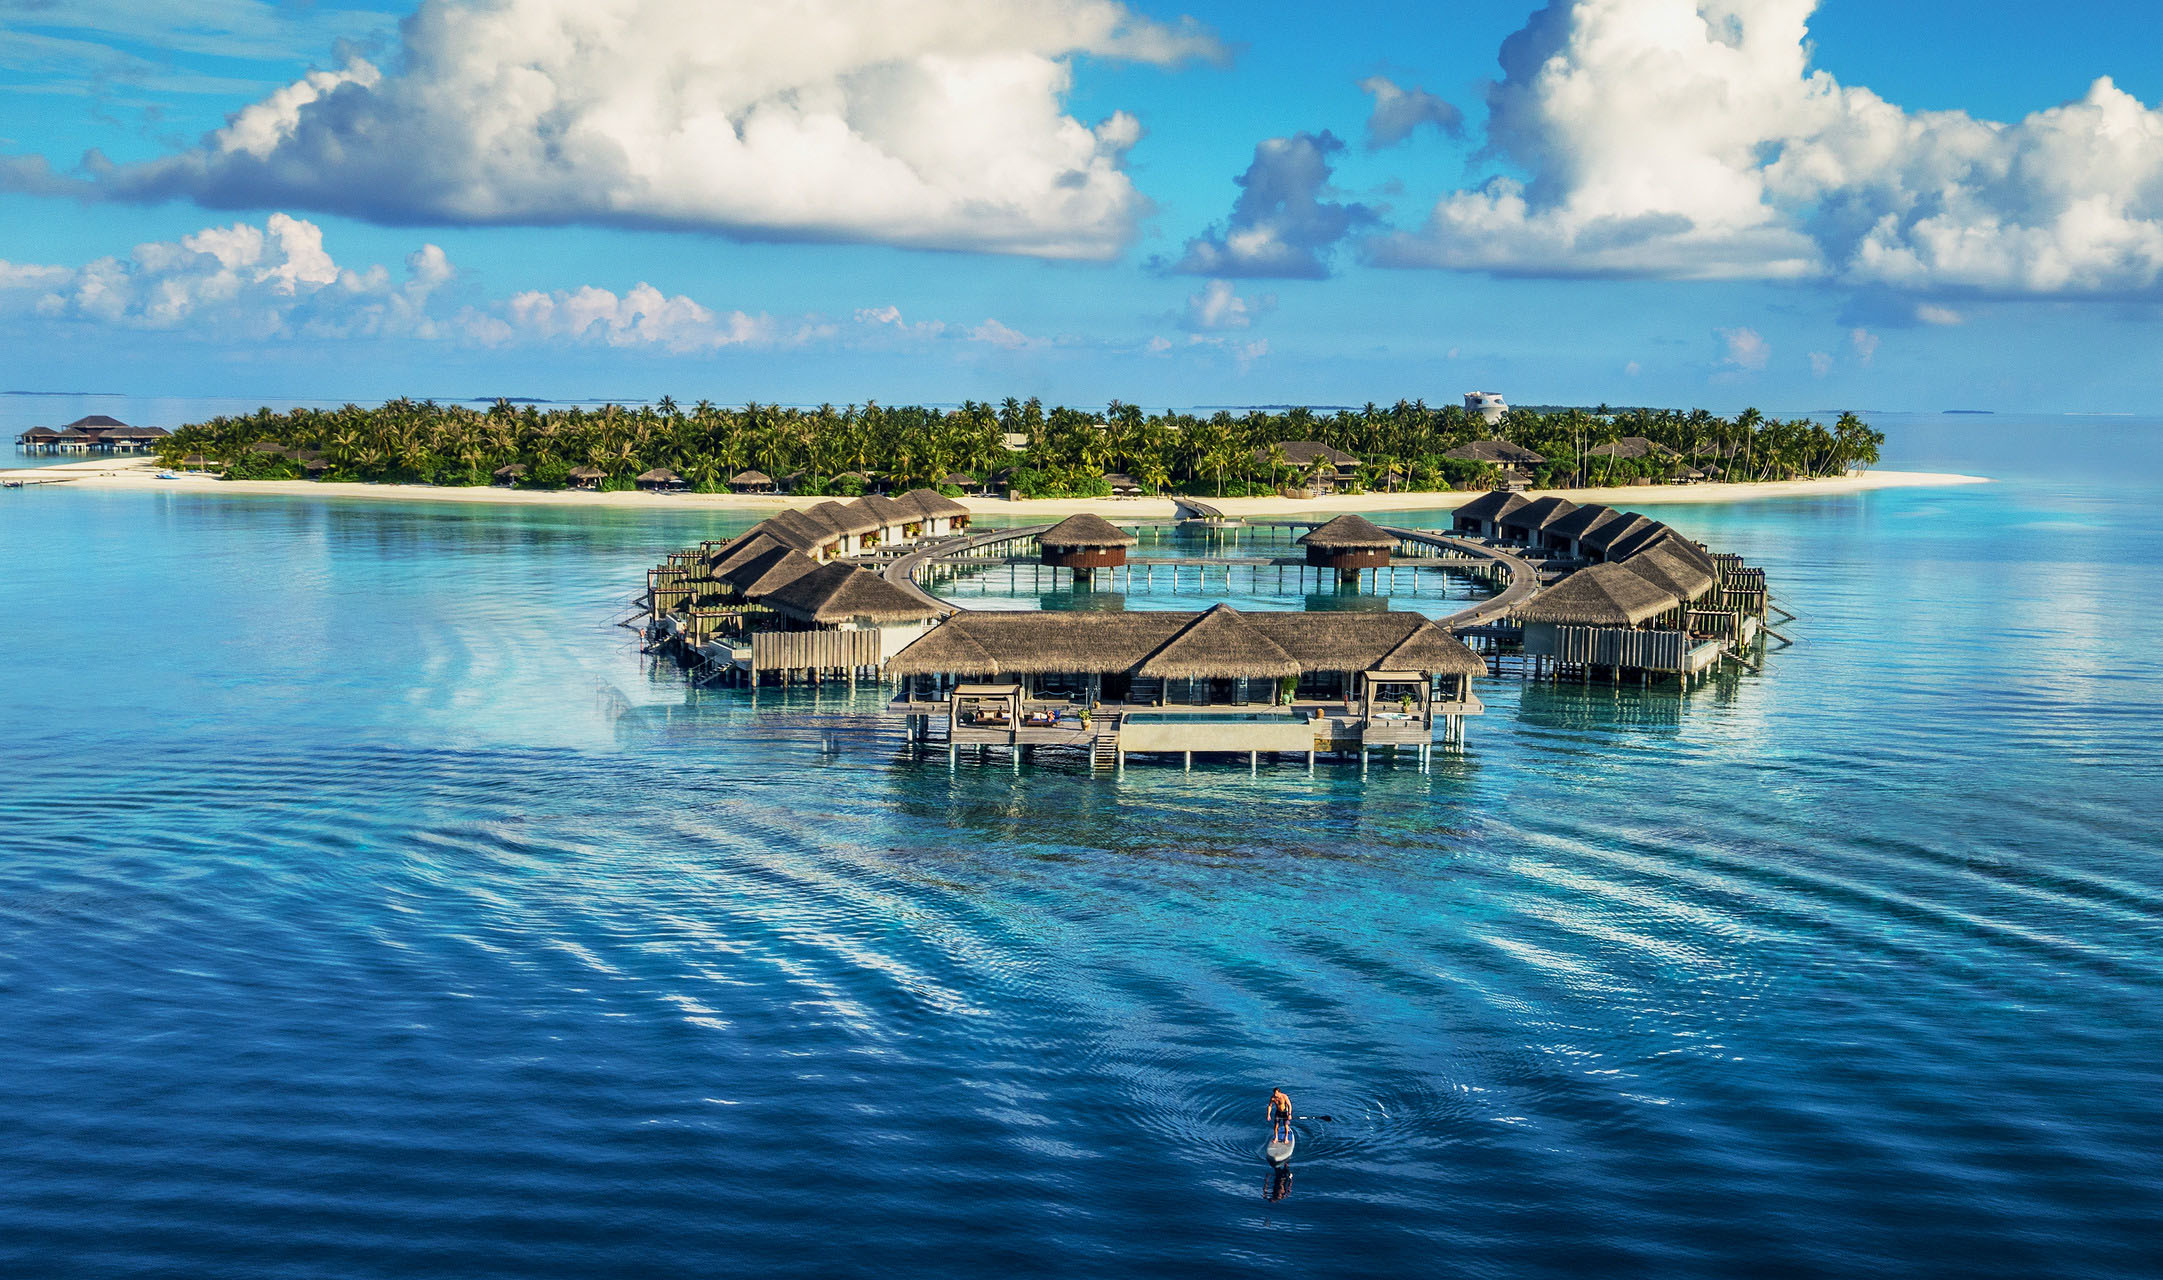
column 140, row 475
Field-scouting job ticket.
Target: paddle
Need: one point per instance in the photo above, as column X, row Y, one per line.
column 1323, row 1119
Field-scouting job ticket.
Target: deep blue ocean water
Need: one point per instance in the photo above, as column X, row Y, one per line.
column 370, row 907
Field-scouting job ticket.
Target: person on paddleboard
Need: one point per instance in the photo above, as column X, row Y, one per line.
column 1280, row 1116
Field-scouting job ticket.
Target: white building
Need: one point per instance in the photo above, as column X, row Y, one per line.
column 1487, row 405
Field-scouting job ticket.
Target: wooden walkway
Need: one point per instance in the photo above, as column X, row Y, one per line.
column 985, row 549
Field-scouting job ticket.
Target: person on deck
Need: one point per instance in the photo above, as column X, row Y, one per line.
column 1280, row 1116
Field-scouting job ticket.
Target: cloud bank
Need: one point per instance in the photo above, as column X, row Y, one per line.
column 276, row 282
column 1692, row 139
column 934, row 124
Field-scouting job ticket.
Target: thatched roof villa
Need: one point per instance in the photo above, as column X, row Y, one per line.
column 1085, row 541
column 1528, row 522
column 751, row 482
column 1348, row 544
column 1484, row 515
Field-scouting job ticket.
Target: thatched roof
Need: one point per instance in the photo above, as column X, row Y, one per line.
column 1219, row 645
column 933, row 504
column 1491, row 505
column 1634, row 539
column 1585, row 517
column 659, row 475
column 510, row 471
column 845, row 518
column 1664, row 568
column 1349, row 533
column 1608, row 533
column 1539, row 513
column 1435, row 652
column 1605, row 595
column 1008, row 644
column 588, row 473
column 757, row 541
column 765, row 574
column 1496, row 451
column 97, row 420
column 885, row 510
column 1682, row 549
column 1088, row 532
column 798, row 530
column 839, row 593
column 947, row 649
column 958, row 480
column 749, row 479
column 37, row 433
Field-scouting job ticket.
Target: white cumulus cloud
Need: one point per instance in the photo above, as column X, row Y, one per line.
column 923, row 123
column 1693, row 139
column 277, row 281
column 1746, row 349
column 1219, row 306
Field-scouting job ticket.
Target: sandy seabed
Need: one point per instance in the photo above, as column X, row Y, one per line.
column 142, row 474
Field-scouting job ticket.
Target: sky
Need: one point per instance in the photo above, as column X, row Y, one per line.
column 1699, row 203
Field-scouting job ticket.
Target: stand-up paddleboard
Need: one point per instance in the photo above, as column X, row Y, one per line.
column 1279, row 1153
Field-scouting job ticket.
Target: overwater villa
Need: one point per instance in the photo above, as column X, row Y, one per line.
column 1177, row 684
column 1349, row 544
column 832, row 592
column 1085, row 542
column 97, row 433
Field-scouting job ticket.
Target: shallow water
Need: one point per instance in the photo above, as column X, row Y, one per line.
column 368, row 906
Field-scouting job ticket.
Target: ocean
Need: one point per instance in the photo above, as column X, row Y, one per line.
column 370, row 906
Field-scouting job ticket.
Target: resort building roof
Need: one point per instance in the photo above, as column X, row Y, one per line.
column 1350, row 533
column 97, row 420
column 1637, row 539
column 933, row 504
column 845, row 518
column 588, row 473
column 1574, row 524
column 798, row 529
column 1664, row 567
column 1676, row 545
column 764, row 574
column 837, row 593
column 1607, row 533
column 1539, row 513
column 1605, row 595
column 757, row 542
column 1088, row 531
column 1007, row 644
column 1492, row 505
column 510, row 471
column 1219, row 644
column 1500, row 452
column 749, row 479
column 885, row 510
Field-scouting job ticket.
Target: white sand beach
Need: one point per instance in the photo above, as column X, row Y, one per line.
column 141, row 474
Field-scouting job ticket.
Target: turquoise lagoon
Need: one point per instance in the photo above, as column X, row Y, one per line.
column 370, row 906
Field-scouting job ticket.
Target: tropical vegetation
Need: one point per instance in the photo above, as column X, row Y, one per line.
column 1034, row 451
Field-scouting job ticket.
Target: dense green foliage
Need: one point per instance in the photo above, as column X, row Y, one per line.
column 1067, row 453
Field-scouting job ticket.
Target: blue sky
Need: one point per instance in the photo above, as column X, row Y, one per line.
column 1689, row 202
